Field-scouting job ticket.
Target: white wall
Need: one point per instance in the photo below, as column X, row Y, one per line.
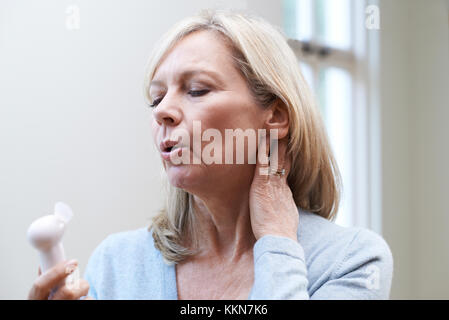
column 73, row 127
column 73, row 124
column 429, row 147
column 415, row 110
column 395, row 134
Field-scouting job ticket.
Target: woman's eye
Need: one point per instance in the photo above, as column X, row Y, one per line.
column 193, row 93
column 155, row 102
column 197, row 93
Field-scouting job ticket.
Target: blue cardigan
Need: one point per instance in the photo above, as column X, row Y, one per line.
column 327, row 262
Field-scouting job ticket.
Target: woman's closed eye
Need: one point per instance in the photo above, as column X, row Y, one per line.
column 198, row 93
column 155, row 102
column 193, row 93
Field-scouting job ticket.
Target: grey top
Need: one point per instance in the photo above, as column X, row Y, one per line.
column 327, row 262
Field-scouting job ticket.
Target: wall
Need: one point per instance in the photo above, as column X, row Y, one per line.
column 73, row 127
column 429, row 147
column 396, row 217
column 73, row 124
column 415, row 152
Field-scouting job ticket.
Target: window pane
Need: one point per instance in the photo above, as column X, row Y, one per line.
column 304, row 20
column 307, row 72
column 325, row 21
column 298, row 19
column 333, row 22
column 335, row 100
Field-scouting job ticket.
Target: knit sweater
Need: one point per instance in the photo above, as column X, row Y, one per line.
column 327, row 262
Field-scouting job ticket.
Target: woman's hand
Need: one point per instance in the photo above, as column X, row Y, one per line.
column 55, row 277
column 272, row 208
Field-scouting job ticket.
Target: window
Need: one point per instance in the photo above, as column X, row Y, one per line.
column 337, row 55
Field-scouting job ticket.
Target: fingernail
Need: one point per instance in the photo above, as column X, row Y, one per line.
column 71, row 266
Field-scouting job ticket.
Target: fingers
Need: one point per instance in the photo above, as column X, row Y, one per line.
column 72, row 292
column 43, row 285
column 276, row 161
column 279, row 159
column 282, row 148
column 284, row 160
column 262, row 163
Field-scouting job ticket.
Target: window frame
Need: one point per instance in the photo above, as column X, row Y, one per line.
column 361, row 61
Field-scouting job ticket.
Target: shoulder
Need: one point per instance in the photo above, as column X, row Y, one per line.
column 333, row 252
column 131, row 240
column 315, row 231
column 119, row 262
column 125, row 246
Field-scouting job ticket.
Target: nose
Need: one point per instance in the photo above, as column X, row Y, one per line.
column 168, row 111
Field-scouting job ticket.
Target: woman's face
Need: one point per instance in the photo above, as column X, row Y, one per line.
column 197, row 81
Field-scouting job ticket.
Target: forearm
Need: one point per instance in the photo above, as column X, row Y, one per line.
column 279, row 269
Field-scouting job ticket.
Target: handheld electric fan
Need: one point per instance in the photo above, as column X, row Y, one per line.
column 45, row 234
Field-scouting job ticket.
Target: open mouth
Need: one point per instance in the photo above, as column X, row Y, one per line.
column 170, row 148
column 169, row 151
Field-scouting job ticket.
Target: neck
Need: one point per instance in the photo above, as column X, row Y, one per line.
column 223, row 223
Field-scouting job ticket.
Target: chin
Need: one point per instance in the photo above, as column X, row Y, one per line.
column 183, row 176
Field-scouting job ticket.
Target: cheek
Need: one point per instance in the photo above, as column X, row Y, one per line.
column 232, row 113
column 233, row 119
column 226, row 117
column 154, row 130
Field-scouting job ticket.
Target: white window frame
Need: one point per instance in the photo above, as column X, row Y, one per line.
column 361, row 61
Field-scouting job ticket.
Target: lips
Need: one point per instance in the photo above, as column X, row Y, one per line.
column 167, row 147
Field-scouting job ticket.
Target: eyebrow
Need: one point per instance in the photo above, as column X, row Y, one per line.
column 190, row 73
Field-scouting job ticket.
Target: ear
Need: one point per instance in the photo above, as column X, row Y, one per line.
column 277, row 118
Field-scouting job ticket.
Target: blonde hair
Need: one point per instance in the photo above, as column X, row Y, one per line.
column 262, row 55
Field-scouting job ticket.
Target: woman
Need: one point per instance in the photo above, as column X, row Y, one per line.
column 236, row 230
